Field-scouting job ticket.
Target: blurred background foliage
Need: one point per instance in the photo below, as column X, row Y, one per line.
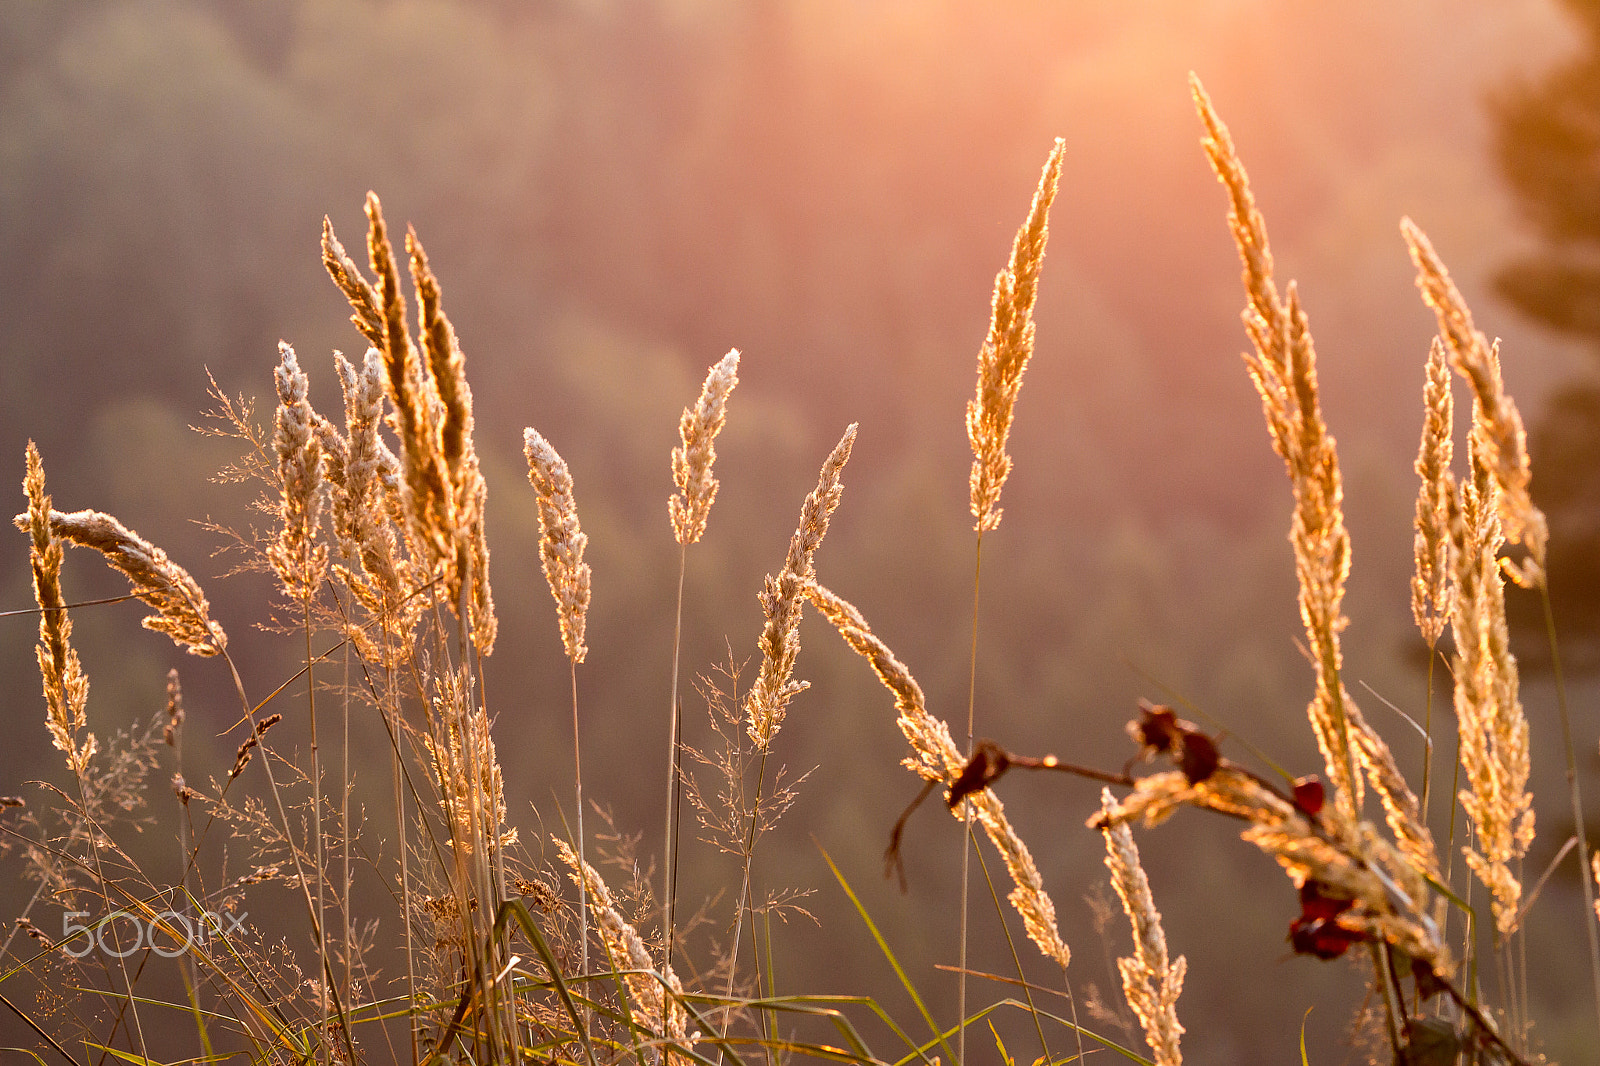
column 613, row 194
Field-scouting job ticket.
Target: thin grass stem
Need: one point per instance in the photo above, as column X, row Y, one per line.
column 1573, row 794
column 669, row 896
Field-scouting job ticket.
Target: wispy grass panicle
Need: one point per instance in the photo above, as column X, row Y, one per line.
column 66, row 688
column 774, row 686
column 1006, row 350
column 1489, row 719
column 1284, row 370
column 297, row 555
column 561, row 540
column 1430, row 582
column 182, row 612
column 935, row 757
column 1151, row 981
column 441, row 492
column 692, row 460
column 1498, row 430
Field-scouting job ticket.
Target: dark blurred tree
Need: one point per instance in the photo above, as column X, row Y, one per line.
column 1547, row 140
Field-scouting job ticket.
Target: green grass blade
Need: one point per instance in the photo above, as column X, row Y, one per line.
column 888, row 954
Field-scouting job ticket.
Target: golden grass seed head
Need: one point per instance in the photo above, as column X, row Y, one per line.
column 66, row 688
column 1007, row 349
column 1150, row 981
column 1497, row 425
column 561, row 542
column 767, row 702
column 692, row 460
column 1430, row 579
column 296, row 555
column 181, row 608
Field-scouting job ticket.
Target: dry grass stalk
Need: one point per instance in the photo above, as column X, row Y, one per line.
column 1343, row 860
column 1492, row 727
column 182, row 612
column 1006, row 350
column 296, row 555
column 66, row 688
column 781, row 598
column 1151, row 982
column 1284, row 370
column 561, row 542
column 658, row 1013
column 1430, row 582
column 935, row 757
column 692, row 460
column 1497, row 432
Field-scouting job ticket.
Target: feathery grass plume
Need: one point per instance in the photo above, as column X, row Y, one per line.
column 561, row 542
column 1284, row 371
column 1345, row 860
column 297, row 557
column 935, row 757
column 1431, row 581
column 1497, row 430
column 1150, row 981
column 411, row 391
column 66, row 689
column 367, row 317
column 1401, row 809
column 448, row 373
column 1493, row 730
column 660, row 1014
column 359, row 519
column 781, row 597
column 691, row 461
column 1006, row 350
column 182, row 612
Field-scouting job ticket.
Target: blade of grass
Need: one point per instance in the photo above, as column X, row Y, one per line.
column 883, row 946
column 516, row 909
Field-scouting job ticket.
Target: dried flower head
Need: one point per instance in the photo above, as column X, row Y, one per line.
column 692, row 460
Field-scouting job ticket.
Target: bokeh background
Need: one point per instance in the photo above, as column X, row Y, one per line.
column 613, row 194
